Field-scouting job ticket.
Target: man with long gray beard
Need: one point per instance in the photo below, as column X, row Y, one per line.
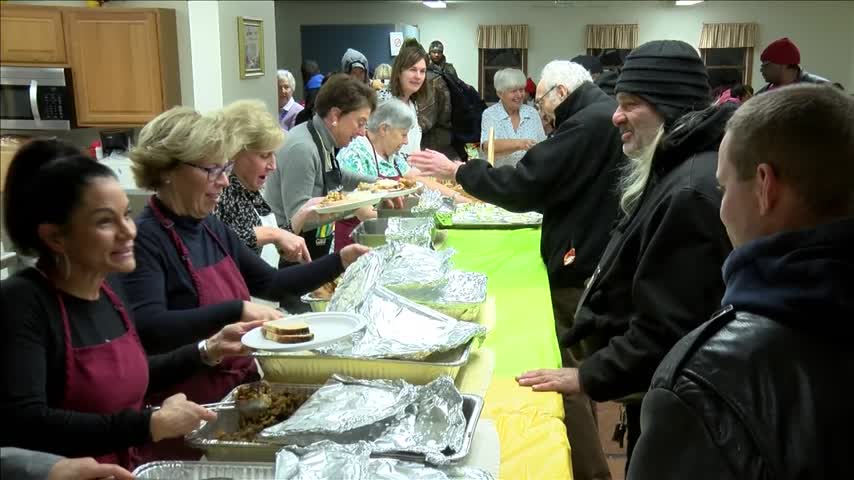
column 659, row 277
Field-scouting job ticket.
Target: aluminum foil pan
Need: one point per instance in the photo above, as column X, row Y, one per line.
column 204, row 471
column 412, row 270
column 413, row 231
column 391, row 416
column 462, row 298
column 344, row 410
column 400, row 328
column 353, row 462
column 206, row 437
column 429, row 202
column 481, row 214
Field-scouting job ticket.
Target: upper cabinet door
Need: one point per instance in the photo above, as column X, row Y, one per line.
column 116, row 66
column 31, row 36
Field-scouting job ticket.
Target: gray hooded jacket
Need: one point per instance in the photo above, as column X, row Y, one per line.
column 353, row 57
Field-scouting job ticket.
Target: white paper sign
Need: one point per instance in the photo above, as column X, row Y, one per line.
column 395, row 40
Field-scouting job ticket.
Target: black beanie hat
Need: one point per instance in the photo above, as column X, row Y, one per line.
column 589, row 62
column 668, row 74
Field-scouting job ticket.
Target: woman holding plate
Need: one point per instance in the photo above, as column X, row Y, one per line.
column 306, row 164
column 378, row 155
column 193, row 273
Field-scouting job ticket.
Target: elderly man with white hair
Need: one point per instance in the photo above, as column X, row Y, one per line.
column 572, row 178
column 288, row 107
column 516, row 126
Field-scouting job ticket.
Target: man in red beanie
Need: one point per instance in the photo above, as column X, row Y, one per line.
column 781, row 61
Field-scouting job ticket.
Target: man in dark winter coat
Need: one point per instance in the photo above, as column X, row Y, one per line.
column 756, row 392
column 571, row 178
column 658, row 278
column 781, row 66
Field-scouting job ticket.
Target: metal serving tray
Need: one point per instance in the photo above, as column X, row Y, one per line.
column 205, row 437
column 204, row 471
column 309, row 368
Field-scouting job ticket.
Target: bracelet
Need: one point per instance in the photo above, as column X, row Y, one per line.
column 205, row 355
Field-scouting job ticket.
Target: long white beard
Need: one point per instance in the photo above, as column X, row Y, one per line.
column 636, row 173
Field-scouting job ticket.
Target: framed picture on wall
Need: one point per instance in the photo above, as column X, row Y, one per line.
column 250, row 46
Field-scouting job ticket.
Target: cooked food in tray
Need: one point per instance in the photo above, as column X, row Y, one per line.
column 388, row 185
column 333, row 197
column 325, row 291
column 282, row 406
column 286, row 330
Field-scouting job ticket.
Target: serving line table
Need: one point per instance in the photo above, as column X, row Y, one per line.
column 529, row 424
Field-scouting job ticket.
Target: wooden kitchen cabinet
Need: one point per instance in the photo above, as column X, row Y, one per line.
column 31, row 35
column 124, row 64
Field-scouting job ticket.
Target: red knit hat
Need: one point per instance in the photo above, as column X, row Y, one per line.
column 531, row 87
column 781, row 52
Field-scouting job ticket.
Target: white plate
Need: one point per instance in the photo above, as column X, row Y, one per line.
column 327, row 327
column 402, row 193
column 355, row 201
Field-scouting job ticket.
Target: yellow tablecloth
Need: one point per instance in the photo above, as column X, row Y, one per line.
column 530, row 424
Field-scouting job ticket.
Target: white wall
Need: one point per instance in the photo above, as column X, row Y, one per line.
column 824, row 31
column 233, row 87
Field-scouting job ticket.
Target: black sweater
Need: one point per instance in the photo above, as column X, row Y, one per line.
column 571, row 178
column 34, row 371
column 659, row 277
column 162, row 294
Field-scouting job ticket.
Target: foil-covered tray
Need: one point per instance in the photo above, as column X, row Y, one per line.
column 308, row 367
column 205, row 437
column 488, row 216
column 204, row 471
column 376, row 232
column 354, row 462
column 462, row 298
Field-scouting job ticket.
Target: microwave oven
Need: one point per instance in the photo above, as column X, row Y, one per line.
column 36, row 98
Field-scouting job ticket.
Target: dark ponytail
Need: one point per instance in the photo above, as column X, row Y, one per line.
column 45, row 183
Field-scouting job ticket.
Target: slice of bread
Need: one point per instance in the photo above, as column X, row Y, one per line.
column 287, row 326
column 278, row 338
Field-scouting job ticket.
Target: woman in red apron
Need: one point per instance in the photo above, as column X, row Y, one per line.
column 75, row 373
column 194, row 274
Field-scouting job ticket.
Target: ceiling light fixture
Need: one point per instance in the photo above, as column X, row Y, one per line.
column 686, row 3
column 435, row 3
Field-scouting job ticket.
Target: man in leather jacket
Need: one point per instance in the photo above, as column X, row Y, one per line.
column 757, row 391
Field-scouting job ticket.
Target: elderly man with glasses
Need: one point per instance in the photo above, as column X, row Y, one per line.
column 572, row 179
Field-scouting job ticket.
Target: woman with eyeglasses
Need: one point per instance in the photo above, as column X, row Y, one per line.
column 516, row 127
column 194, row 273
column 307, row 169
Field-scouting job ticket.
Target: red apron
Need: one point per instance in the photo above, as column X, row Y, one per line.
column 344, row 228
column 106, row 378
column 217, row 283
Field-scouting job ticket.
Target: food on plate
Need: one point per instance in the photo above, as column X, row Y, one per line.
column 282, row 406
column 333, row 197
column 388, row 185
column 286, row 330
column 325, row 291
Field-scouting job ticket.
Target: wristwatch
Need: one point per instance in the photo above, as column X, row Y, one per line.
column 205, row 356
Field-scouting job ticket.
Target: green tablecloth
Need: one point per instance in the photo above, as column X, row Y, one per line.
column 524, row 336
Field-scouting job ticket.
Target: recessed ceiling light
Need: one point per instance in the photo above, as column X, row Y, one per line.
column 434, row 3
column 685, row 3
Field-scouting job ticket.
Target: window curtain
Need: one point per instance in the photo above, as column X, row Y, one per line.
column 502, row 36
column 729, row 35
column 612, row 36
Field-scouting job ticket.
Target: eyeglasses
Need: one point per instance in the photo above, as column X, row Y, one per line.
column 538, row 103
column 214, row 172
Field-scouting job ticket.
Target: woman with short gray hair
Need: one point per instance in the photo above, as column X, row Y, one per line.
column 288, row 107
column 516, row 126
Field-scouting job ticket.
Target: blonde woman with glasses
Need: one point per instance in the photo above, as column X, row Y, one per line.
column 193, row 273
